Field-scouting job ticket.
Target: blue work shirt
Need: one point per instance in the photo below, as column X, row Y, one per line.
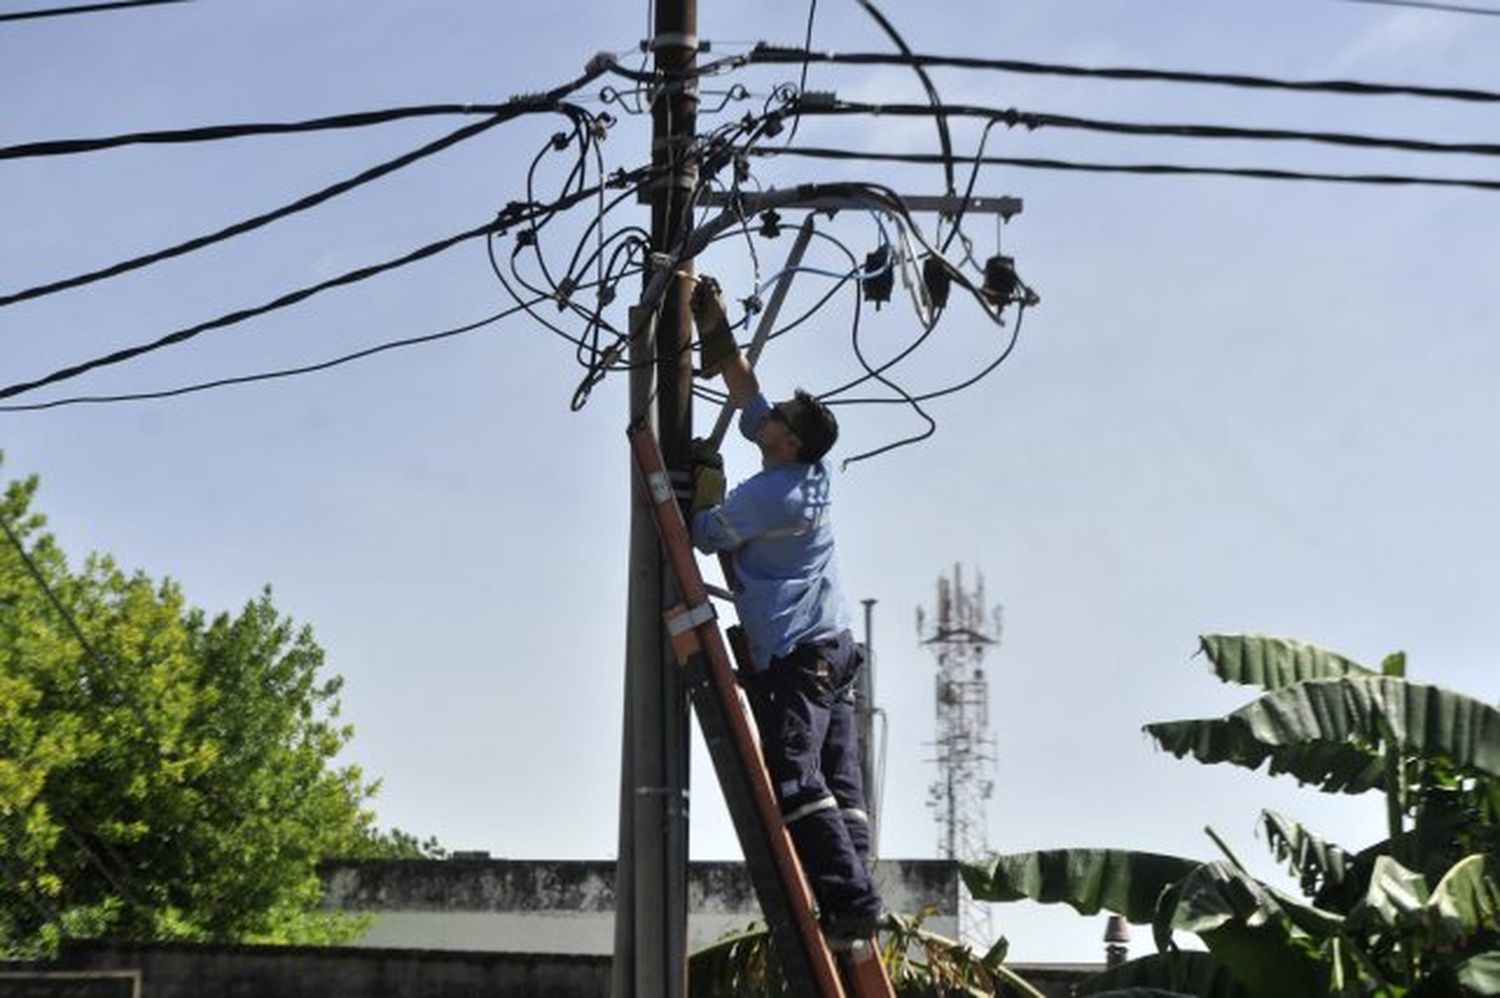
column 778, row 527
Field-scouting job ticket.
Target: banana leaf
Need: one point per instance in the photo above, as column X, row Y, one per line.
column 1318, row 864
column 1394, row 902
column 1317, row 730
column 1089, row 880
column 1271, row 944
column 1467, row 901
column 1191, row 972
column 1331, row 767
column 1480, row 974
column 1273, row 663
column 1268, row 942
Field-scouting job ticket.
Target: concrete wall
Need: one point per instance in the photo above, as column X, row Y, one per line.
column 191, row 971
column 567, row 906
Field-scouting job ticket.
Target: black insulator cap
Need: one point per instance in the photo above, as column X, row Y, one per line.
column 880, row 276
column 937, row 280
column 1000, row 279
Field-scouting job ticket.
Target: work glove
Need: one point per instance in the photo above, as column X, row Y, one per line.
column 716, row 343
column 708, row 478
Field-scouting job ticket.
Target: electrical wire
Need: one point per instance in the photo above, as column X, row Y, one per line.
column 86, row 8
column 1446, row 8
column 774, row 55
column 258, row 221
column 245, row 379
column 220, row 133
column 963, row 207
column 906, row 397
column 506, row 220
column 1032, row 120
column 1005, row 353
column 812, row 13
column 945, row 140
column 1144, row 169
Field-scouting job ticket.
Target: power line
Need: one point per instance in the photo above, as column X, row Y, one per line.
column 289, row 372
column 219, row 133
column 1447, row 8
column 515, row 214
column 1037, row 119
column 944, row 139
column 257, row 221
column 775, row 55
column 1147, row 169
column 86, row 8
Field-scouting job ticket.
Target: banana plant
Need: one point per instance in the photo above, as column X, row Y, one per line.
column 920, row 963
column 1415, row 914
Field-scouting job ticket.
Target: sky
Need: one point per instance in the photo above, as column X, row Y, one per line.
column 1241, row 406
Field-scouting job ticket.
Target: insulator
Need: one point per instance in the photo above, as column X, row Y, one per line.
column 879, row 278
column 770, row 224
column 937, row 280
column 1000, row 280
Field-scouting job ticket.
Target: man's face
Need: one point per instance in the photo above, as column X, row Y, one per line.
column 778, row 444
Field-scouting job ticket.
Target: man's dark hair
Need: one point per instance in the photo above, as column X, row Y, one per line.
column 814, row 425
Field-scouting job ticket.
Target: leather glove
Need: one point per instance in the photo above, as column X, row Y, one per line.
column 716, row 343
column 708, row 478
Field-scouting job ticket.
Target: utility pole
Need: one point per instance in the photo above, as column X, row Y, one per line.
column 650, row 957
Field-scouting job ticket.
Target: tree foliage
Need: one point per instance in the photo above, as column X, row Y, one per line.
column 163, row 774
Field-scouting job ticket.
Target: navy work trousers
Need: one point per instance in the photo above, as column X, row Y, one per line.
column 804, row 708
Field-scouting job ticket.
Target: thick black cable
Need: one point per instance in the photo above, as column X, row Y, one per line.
column 1446, row 8
column 1145, row 169
column 812, row 13
column 84, row 8
column 245, row 379
column 291, row 298
column 773, row 55
column 1031, row 120
column 552, row 100
column 219, row 133
column 945, row 140
column 1005, row 353
column 250, row 224
column 963, row 205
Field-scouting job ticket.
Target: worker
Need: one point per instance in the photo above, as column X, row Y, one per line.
column 804, row 660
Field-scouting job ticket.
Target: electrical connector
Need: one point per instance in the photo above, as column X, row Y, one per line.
column 937, row 280
column 879, row 277
column 770, row 224
column 1000, row 280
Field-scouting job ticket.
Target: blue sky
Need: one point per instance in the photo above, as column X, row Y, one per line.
column 1242, row 405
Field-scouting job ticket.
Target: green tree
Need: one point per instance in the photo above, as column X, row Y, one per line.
column 163, row 775
column 1417, row 913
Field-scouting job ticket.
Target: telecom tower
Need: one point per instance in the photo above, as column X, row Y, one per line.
column 963, row 630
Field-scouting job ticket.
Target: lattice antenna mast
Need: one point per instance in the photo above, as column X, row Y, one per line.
column 964, row 628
